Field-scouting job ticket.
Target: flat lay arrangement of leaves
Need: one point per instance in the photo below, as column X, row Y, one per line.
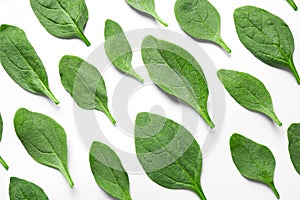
column 168, row 153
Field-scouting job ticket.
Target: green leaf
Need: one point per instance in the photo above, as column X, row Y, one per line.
column 85, row 84
column 201, row 20
column 293, row 4
column 294, row 145
column 21, row 62
column 254, row 161
column 20, row 189
column 146, row 6
column 176, row 72
column 267, row 37
column 2, row 161
column 249, row 92
column 63, row 19
column 1, row 127
column 44, row 139
column 108, row 171
column 118, row 49
column 168, row 153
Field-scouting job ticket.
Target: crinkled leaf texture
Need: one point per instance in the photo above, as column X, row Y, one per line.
column 168, row 153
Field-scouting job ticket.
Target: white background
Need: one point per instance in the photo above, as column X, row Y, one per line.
column 220, row 179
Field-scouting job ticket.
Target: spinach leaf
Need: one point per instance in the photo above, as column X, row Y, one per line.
column 63, row 19
column 168, row 153
column 267, row 37
column 1, row 127
column 176, row 72
column 146, row 6
column 44, row 139
column 21, row 62
column 118, row 49
column 201, row 20
column 254, row 161
column 294, row 145
column 249, row 92
column 20, row 189
column 2, row 161
column 108, row 171
column 85, row 84
column 293, row 4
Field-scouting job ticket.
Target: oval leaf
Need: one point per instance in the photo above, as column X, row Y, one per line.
column 146, row 6
column 177, row 73
column 294, row 145
column 249, row 92
column 44, row 139
column 168, row 153
column 21, row 62
column 20, row 189
column 201, row 20
column 108, row 171
column 267, row 37
column 254, row 161
column 63, row 19
column 118, row 49
column 85, row 84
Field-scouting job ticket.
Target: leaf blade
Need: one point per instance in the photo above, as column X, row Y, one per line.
column 62, row 19
column 22, row 189
column 168, row 153
column 146, row 6
column 249, row 92
column 267, row 37
column 85, row 84
column 118, row 49
column 176, row 72
column 108, row 171
column 44, row 140
column 201, row 20
column 21, row 62
column 254, row 161
column 294, row 139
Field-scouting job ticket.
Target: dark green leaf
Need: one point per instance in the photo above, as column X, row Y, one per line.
column 254, row 161
column 108, row 171
column 85, row 84
column 177, row 72
column 20, row 189
column 146, row 6
column 118, row 49
column 267, row 37
column 294, row 145
column 201, row 20
column 21, row 62
column 168, row 153
column 249, row 92
column 44, row 139
column 292, row 3
column 63, row 19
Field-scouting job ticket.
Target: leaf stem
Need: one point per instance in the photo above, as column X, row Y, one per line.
column 200, row 193
column 221, row 42
column 276, row 120
column 51, row 96
column 294, row 70
column 68, row 177
column 135, row 75
column 3, row 163
column 160, row 20
column 84, row 38
column 272, row 186
column 110, row 117
column 292, row 3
